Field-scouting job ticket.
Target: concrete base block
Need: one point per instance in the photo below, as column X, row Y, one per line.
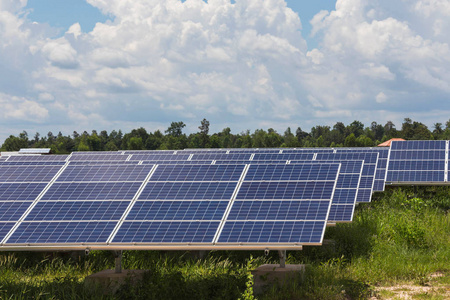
column 110, row 281
column 266, row 275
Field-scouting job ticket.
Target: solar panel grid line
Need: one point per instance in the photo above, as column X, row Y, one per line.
column 130, row 206
column 68, row 157
column 446, row 161
column 230, row 204
column 27, row 212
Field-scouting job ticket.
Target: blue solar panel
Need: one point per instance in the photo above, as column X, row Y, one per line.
column 12, row 211
column 166, row 232
column 33, row 163
column 28, row 173
column 417, row 161
column 178, row 210
column 188, row 190
column 159, row 157
column 369, row 158
column 286, row 190
column 5, row 228
column 291, row 172
column 285, row 157
column 344, row 196
column 99, row 157
column 425, row 165
column 364, row 196
column 267, row 232
column 197, row 173
column 418, row 155
column 77, row 211
column 340, row 213
column 20, row 191
column 417, row 145
column 222, row 156
column 92, row 191
column 37, row 158
column 416, row 176
column 279, row 210
column 105, row 173
column 61, row 232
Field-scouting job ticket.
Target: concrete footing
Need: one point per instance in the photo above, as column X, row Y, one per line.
column 266, row 275
column 110, row 281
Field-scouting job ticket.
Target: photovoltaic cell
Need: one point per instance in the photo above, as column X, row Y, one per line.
column 106, row 173
column 92, row 191
column 340, row 213
column 61, row 232
column 284, row 157
column 221, row 156
column 197, row 173
column 159, row 157
column 77, row 211
column 166, row 232
column 20, row 191
column 285, row 190
column 5, row 228
column 28, row 173
column 188, row 190
column 267, row 232
column 12, row 211
column 37, row 158
column 294, row 172
column 99, row 157
column 417, row 145
column 177, row 210
column 279, row 210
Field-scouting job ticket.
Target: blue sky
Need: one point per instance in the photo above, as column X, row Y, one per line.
column 77, row 65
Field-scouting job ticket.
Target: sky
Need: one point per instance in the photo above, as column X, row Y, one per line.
column 78, row 65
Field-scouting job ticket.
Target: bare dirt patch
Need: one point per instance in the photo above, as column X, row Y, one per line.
column 437, row 287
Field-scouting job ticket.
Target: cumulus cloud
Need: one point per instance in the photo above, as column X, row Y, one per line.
column 240, row 64
column 17, row 108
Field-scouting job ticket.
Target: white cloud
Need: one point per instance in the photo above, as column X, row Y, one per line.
column 17, row 108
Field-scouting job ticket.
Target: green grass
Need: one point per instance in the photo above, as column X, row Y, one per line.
column 402, row 236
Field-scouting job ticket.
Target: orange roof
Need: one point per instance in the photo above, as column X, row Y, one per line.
column 388, row 143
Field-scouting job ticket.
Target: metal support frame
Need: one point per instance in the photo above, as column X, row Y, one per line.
column 118, row 261
column 282, row 255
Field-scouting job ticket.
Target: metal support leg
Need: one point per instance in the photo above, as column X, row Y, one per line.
column 118, row 261
column 282, row 255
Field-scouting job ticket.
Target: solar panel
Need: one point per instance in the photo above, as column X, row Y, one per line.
column 61, row 232
column 221, row 156
column 35, row 151
column 20, row 191
column 77, row 210
column 106, row 203
column 92, row 191
column 380, row 173
column 159, row 157
column 12, row 210
column 108, row 173
column 32, row 163
column 37, row 158
column 27, row 173
column 419, row 162
column 99, row 157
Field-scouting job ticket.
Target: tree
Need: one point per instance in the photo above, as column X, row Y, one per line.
column 204, row 130
column 175, row 129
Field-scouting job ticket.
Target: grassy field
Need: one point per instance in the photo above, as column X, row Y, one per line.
column 398, row 244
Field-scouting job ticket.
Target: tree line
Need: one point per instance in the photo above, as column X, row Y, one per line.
column 355, row 134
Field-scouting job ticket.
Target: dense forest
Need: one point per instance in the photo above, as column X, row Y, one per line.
column 355, row 134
